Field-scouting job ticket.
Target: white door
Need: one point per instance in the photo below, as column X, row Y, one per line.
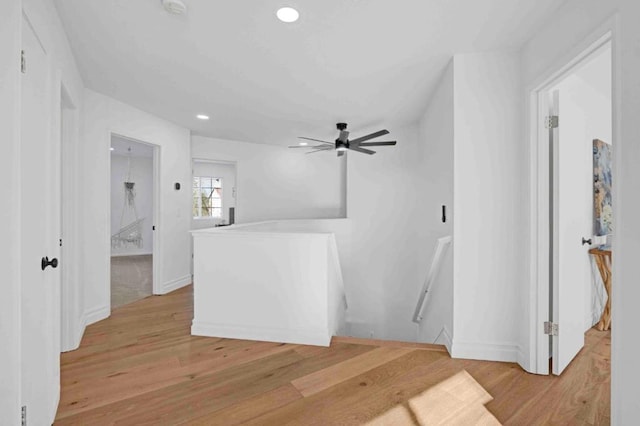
column 572, row 220
column 40, row 223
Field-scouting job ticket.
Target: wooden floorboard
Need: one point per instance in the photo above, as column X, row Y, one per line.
column 141, row 366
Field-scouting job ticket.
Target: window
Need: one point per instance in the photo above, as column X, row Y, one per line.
column 207, row 197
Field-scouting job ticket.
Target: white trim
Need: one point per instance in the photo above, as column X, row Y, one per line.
column 157, row 219
column 132, row 254
column 522, row 359
column 176, row 284
column 71, row 297
column 536, row 361
column 502, row 352
column 446, row 336
column 301, row 337
column 96, row 314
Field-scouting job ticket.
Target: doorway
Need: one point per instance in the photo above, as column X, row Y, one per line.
column 132, row 220
column 574, row 209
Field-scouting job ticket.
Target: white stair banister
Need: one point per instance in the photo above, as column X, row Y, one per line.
column 441, row 247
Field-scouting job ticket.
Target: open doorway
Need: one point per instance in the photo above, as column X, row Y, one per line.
column 574, row 207
column 132, row 220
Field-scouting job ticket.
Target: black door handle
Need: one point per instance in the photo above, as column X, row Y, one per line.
column 586, row 241
column 46, row 262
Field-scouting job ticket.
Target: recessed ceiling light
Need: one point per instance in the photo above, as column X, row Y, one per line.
column 287, row 14
column 202, row 117
column 304, row 143
column 112, row 149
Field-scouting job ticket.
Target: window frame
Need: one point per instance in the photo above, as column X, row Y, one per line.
column 198, row 199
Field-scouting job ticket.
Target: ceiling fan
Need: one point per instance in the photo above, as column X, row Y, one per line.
column 342, row 144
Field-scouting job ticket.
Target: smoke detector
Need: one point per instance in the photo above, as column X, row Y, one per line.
column 175, row 7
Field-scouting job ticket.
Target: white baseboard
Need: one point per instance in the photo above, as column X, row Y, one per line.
column 96, row 314
column 523, row 360
column 503, row 352
column 445, row 339
column 131, row 254
column 174, row 285
column 301, row 337
column 82, row 325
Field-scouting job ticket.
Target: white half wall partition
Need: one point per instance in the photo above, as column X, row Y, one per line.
column 268, row 281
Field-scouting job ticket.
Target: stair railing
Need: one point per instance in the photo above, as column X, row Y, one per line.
column 441, row 246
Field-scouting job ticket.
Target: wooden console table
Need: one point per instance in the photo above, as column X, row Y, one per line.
column 603, row 260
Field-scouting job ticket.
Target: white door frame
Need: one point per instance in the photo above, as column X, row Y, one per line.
column 72, row 309
column 540, row 186
column 157, row 241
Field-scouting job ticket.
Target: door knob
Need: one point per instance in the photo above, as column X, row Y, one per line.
column 46, row 262
column 586, row 241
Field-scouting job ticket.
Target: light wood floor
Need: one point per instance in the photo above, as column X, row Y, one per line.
column 141, row 366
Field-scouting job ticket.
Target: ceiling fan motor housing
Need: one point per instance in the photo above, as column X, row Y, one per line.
column 340, row 144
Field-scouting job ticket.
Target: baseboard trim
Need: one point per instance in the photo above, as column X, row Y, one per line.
column 82, row 326
column 131, row 254
column 301, row 337
column 523, row 360
column 502, row 352
column 176, row 284
column 445, row 336
column 94, row 315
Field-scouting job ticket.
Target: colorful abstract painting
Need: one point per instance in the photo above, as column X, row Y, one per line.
column 602, row 163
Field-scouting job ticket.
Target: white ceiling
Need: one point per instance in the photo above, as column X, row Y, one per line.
column 367, row 62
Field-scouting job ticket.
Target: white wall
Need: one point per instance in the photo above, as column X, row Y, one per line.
column 490, row 214
column 142, row 176
column 276, row 182
column 10, row 381
column 436, row 146
column 104, row 116
column 227, row 172
column 563, row 38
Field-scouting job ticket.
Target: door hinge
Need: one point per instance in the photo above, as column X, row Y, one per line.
column 551, row 328
column 551, row 122
column 23, row 415
column 23, row 62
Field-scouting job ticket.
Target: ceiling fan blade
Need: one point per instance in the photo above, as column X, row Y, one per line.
column 340, row 153
column 382, row 143
column 371, row 136
column 362, row 150
column 329, row 148
column 309, row 146
column 315, row 140
column 344, row 136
